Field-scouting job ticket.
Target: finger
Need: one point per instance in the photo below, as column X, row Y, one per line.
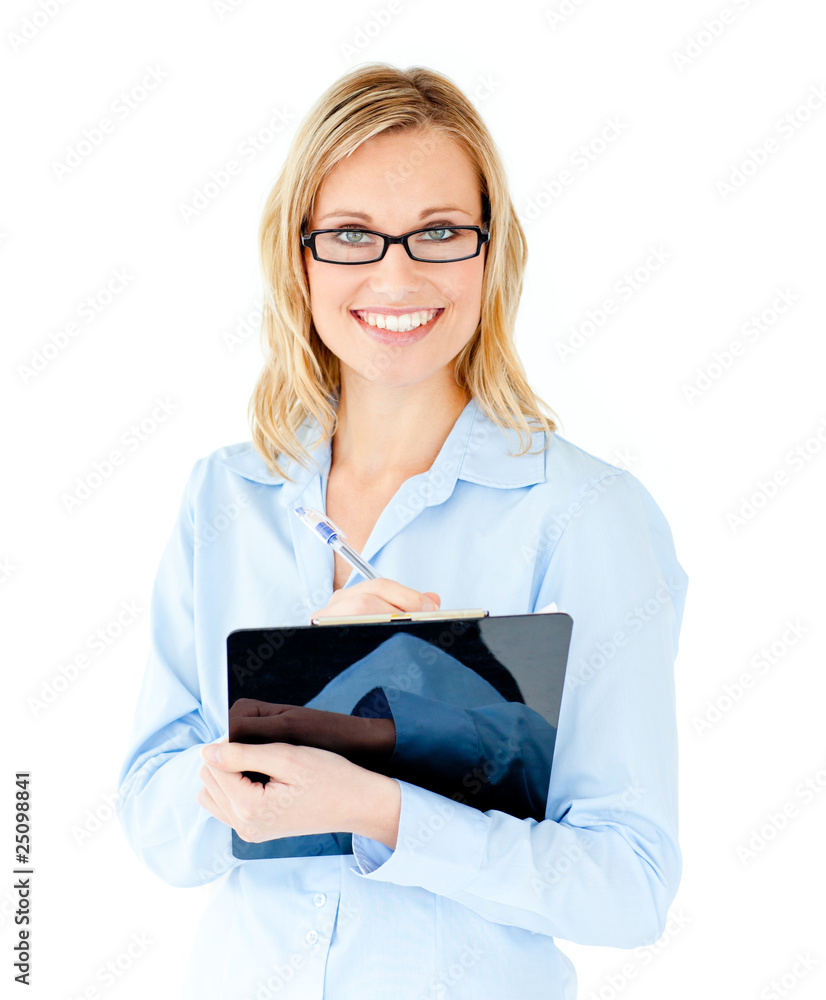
column 397, row 595
column 242, row 756
column 216, row 743
column 283, row 762
column 245, row 708
column 267, row 709
column 222, row 789
column 260, row 729
column 206, row 800
column 380, row 596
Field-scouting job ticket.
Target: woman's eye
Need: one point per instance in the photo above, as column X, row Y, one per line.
column 439, row 235
column 353, row 236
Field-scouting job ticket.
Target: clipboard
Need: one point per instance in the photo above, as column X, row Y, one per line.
column 464, row 703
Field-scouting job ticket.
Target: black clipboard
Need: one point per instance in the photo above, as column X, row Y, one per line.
column 474, row 700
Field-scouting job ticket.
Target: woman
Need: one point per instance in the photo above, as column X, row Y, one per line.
column 399, row 381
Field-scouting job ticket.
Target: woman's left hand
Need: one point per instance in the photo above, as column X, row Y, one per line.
column 310, row 791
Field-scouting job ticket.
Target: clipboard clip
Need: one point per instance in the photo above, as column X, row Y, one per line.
column 406, row 616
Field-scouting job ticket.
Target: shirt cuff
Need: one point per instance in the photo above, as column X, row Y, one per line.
column 370, row 854
column 429, row 730
column 440, row 844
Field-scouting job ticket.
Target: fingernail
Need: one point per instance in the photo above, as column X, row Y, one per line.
column 211, row 753
column 429, row 606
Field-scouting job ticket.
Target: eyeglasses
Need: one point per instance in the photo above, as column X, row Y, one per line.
column 363, row 246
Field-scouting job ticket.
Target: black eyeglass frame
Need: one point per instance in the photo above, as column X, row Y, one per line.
column 308, row 240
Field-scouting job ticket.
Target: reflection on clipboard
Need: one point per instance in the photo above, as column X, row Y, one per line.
column 462, row 703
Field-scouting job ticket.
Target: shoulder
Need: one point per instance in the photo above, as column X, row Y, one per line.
column 242, row 462
column 603, row 497
column 233, row 472
column 574, row 478
column 551, row 466
column 242, row 459
column 238, row 461
column 576, row 470
column 562, row 481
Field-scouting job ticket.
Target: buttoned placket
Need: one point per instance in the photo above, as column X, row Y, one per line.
column 316, row 564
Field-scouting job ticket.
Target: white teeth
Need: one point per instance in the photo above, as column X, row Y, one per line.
column 398, row 324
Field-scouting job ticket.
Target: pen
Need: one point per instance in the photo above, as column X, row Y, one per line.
column 329, row 533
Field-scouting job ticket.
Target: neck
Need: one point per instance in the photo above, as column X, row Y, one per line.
column 385, row 433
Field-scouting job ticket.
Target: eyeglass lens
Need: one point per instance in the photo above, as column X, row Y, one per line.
column 433, row 244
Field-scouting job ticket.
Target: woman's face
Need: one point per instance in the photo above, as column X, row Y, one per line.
column 394, row 184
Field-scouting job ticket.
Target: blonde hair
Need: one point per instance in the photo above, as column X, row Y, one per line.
column 301, row 375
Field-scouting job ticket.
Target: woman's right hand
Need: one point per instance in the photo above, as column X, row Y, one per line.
column 377, row 597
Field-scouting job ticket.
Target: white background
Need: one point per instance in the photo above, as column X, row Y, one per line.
column 690, row 104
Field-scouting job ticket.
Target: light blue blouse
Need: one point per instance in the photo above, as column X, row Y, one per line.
column 469, row 903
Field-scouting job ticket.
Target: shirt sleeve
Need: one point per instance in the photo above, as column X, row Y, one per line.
column 168, row 829
column 604, row 866
column 495, row 756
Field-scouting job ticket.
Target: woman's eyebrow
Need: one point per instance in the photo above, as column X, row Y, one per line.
column 422, row 215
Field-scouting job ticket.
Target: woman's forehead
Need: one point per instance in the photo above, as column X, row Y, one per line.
column 410, row 169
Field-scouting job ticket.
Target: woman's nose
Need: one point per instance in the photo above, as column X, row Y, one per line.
column 395, row 272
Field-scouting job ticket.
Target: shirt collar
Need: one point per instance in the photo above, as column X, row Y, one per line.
column 476, row 450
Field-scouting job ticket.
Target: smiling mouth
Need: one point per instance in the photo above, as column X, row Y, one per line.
column 394, row 323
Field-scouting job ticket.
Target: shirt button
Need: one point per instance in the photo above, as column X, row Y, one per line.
column 319, row 899
column 311, row 937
